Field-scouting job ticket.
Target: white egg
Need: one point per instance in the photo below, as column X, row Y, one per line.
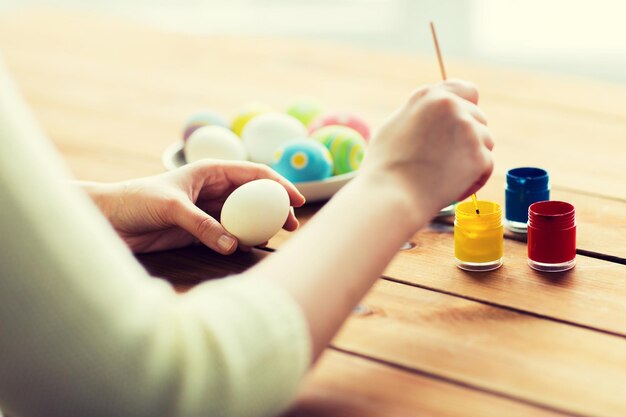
column 214, row 142
column 265, row 133
column 256, row 211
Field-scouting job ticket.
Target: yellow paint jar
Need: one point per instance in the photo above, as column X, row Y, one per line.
column 478, row 238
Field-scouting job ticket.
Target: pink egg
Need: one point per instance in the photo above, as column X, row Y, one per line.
column 342, row 119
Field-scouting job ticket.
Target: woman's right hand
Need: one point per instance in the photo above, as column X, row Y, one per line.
column 433, row 150
column 436, row 148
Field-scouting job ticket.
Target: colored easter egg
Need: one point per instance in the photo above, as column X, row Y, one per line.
column 202, row 118
column 247, row 113
column 266, row 132
column 215, row 142
column 303, row 160
column 342, row 119
column 346, row 146
column 305, row 110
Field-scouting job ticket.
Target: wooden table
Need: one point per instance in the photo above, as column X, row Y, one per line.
column 433, row 340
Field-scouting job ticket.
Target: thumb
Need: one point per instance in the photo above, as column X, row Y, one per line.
column 205, row 228
column 475, row 187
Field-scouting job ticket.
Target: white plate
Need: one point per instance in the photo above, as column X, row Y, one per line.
column 173, row 157
column 313, row 191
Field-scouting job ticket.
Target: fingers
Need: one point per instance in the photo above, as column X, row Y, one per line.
column 476, row 112
column 296, row 199
column 461, row 88
column 204, row 227
column 486, row 164
column 467, row 91
column 245, row 248
column 480, row 133
column 241, row 172
column 291, row 223
column 487, row 139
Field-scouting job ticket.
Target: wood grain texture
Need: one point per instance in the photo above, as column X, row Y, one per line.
column 93, row 80
column 120, row 103
column 568, row 368
column 490, row 349
column 592, row 294
column 194, row 264
column 343, row 385
column 601, row 222
column 113, row 95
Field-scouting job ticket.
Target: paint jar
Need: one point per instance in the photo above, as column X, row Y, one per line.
column 478, row 238
column 524, row 186
column 551, row 236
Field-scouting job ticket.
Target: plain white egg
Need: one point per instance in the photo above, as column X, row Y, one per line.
column 215, row 142
column 255, row 211
column 265, row 133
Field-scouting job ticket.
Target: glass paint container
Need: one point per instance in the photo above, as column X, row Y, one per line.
column 524, row 186
column 551, row 236
column 478, row 238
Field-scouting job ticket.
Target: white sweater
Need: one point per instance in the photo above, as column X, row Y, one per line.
column 84, row 331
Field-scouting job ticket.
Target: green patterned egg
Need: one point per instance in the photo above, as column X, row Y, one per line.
column 346, row 146
column 306, row 110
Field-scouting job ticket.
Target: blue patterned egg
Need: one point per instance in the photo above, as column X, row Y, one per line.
column 303, row 160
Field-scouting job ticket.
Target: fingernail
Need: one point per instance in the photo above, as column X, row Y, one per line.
column 225, row 243
column 295, row 218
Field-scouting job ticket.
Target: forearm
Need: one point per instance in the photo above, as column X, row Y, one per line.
column 105, row 195
column 333, row 261
column 87, row 332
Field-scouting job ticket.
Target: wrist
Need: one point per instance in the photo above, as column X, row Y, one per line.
column 384, row 187
column 106, row 196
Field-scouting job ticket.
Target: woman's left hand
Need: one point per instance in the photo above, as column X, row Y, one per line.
column 177, row 208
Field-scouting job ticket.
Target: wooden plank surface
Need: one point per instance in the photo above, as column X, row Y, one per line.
column 113, row 95
column 344, row 384
column 572, row 369
column 528, row 359
column 124, row 81
column 139, row 83
column 601, row 222
column 592, row 294
column 350, row 386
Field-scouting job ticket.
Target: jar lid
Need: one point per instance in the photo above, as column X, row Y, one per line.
column 551, row 215
column 527, row 179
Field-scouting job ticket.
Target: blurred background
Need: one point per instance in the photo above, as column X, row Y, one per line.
column 583, row 37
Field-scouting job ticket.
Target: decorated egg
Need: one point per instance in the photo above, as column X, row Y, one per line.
column 302, row 160
column 306, row 110
column 265, row 133
column 342, row 119
column 214, row 142
column 256, row 211
column 202, row 118
column 247, row 113
column 346, row 146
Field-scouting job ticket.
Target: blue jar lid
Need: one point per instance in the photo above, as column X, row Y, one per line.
column 527, row 179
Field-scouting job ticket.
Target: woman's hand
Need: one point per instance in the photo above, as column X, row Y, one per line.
column 435, row 148
column 177, row 208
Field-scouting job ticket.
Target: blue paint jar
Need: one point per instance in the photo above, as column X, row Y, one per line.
column 524, row 186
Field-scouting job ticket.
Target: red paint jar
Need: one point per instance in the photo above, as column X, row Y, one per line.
column 551, row 236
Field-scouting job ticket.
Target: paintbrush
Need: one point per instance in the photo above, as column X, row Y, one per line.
column 444, row 77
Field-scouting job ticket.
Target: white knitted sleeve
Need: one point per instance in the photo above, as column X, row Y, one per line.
column 84, row 331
